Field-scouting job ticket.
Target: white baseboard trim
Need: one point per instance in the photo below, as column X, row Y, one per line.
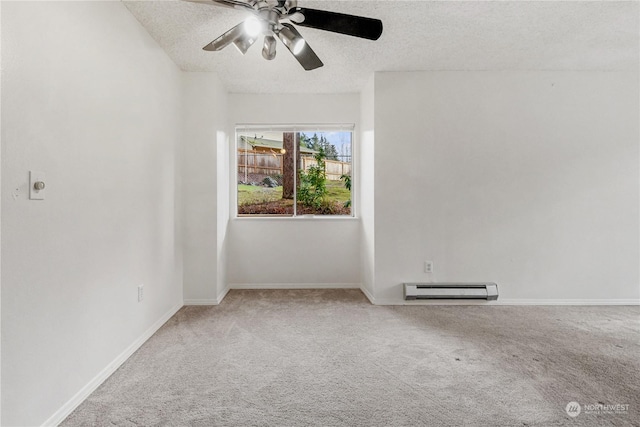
column 368, row 294
column 568, row 302
column 586, row 302
column 85, row 391
column 223, row 294
column 201, row 302
column 294, row 285
column 214, row 301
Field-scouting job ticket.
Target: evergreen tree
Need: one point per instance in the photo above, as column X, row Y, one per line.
column 305, row 141
column 319, row 143
column 330, row 150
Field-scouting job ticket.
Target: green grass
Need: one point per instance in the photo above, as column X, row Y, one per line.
column 252, row 194
column 336, row 192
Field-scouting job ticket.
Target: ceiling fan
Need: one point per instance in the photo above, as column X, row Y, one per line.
column 270, row 19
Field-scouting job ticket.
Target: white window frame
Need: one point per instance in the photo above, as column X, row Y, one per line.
column 306, row 128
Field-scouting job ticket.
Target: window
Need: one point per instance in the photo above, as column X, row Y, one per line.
column 293, row 171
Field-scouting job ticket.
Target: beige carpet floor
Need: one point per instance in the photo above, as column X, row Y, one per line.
column 330, row 358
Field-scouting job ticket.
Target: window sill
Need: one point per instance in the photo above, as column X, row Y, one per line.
column 297, row 218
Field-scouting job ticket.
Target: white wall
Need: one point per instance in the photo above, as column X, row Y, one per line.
column 528, row 179
column 1, row 72
column 95, row 104
column 205, row 182
column 366, row 193
column 0, row 220
column 222, row 168
column 293, row 251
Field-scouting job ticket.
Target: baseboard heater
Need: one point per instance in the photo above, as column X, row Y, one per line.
column 487, row 291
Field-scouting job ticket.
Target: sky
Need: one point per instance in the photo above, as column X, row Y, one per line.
column 341, row 140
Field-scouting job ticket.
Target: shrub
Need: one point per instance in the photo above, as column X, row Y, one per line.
column 347, row 184
column 313, row 187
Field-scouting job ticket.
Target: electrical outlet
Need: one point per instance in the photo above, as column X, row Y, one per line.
column 140, row 293
column 428, row 266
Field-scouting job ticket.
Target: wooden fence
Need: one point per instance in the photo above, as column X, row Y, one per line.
column 261, row 163
column 271, row 164
column 333, row 168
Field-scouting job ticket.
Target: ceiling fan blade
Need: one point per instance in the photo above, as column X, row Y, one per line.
column 237, row 36
column 225, row 40
column 351, row 25
column 235, row 4
column 307, row 57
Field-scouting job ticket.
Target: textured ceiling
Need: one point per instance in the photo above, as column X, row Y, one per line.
column 418, row 35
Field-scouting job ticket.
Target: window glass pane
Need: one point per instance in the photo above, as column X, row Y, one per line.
column 324, row 171
column 294, row 172
column 261, row 158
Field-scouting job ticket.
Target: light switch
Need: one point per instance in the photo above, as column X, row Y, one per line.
column 37, row 185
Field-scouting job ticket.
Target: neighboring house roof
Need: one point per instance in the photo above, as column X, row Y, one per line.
column 272, row 144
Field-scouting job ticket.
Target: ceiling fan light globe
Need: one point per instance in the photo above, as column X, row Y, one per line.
column 297, row 46
column 243, row 42
column 269, row 48
column 252, row 26
column 294, row 42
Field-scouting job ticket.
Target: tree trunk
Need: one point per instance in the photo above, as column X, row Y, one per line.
column 288, row 168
